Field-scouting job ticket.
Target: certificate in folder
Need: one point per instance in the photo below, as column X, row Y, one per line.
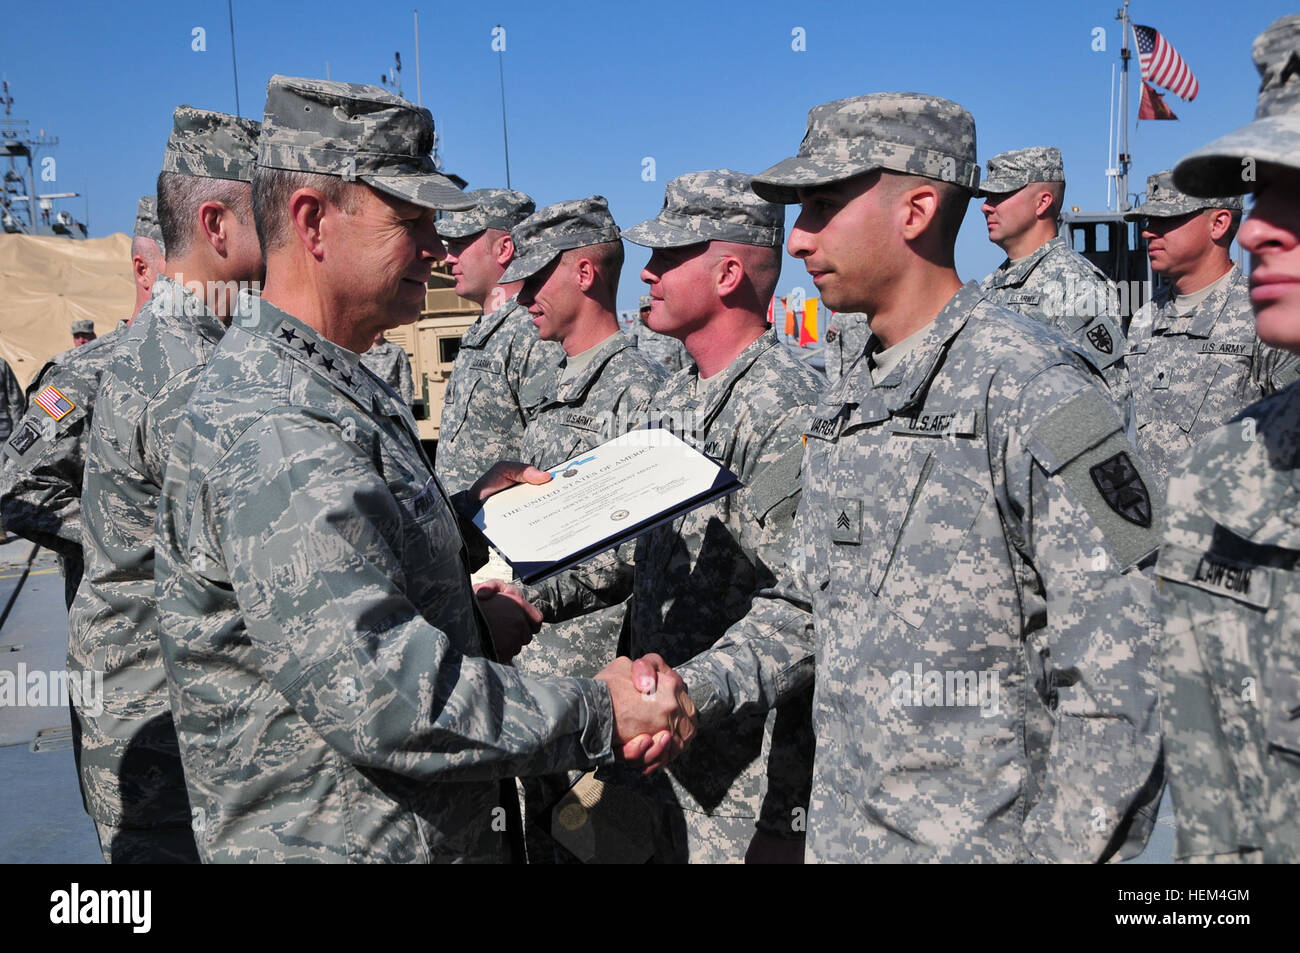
column 600, row 499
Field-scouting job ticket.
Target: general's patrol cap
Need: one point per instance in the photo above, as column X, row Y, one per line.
column 210, row 144
column 1165, row 201
column 493, row 208
column 903, row 132
column 1227, row 165
column 146, row 221
column 354, row 132
column 83, row 326
column 716, row 205
column 1012, row 171
column 542, row 236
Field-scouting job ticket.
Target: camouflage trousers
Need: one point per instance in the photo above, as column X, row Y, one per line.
column 159, row 845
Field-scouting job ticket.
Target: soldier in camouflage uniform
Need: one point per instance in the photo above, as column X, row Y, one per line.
column 985, row 683
column 131, row 769
column 744, row 400
column 148, row 250
column 83, row 332
column 1229, row 586
column 1194, row 361
column 503, row 367
column 330, row 670
column 1043, row 277
column 12, row 402
column 390, row 364
column 664, row 348
column 40, row 493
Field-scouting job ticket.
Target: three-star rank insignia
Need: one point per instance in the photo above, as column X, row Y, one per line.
column 1101, row 339
column 1122, row 488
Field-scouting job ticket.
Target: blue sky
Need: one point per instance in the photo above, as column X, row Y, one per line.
column 593, row 90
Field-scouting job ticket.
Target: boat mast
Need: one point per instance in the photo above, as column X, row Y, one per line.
column 1121, row 178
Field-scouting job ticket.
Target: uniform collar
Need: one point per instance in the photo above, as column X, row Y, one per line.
column 1011, row 273
column 573, row 391
column 711, row 394
column 305, row 345
column 171, row 306
column 487, row 324
column 1202, row 320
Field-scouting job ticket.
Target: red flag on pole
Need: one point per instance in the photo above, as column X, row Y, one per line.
column 1153, row 105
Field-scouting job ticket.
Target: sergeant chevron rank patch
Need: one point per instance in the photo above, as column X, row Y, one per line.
column 847, row 525
column 1122, row 488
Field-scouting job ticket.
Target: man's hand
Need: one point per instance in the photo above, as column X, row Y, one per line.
column 770, row 849
column 503, row 475
column 653, row 703
column 512, row 620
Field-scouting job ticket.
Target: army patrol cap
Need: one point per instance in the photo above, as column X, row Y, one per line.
column 83, row 326
column 1226, row 166
column 212, row 145
column 1012, row 171
column 493, row 208
column 542, row 236
column 1165, row 201
column 716, row 205
column 355, row 132
column 644, row 303
column 146, row 221
column 909, row 133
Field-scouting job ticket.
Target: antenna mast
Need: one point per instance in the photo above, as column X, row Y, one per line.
column 1124, row 159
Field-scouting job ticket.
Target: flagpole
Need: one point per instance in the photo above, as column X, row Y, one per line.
column 1121, row 181
column 1110, row 139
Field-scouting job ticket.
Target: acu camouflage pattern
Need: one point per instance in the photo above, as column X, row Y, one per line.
column 547, row 233
column 1274, row 136
column 327, row 663
column 40, row 485
column 355, row 132
column 146, row 222
column 713, row 205
column 501, row 374
column 910, row 133
column 948, row 522
column 1012, row 171
column 1229, row 591
column 390, row 363
column 12, row 402
column 1060, row 288
column 501, row 209
column 131, row 768
column 83, row 326
column 846, row 341
column 1192, row 373
column 211, row 145
column 1163, row 200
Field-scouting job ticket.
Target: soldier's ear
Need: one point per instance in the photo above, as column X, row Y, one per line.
column 505, row 250
column 730, row 275
column 307, row 215
column 1220, row 222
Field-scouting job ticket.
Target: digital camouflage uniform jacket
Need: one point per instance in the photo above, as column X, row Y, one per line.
column 499, row 377
column 985, row 674
column 324, row 651
column 696, row 576
column 40, row 485
column 11, row 401
column 1062, row 289
column 1190, row 374
column 1230, row 658
column 391, row 365
column 131, row 767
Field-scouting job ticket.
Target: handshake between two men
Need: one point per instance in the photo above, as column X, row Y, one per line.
column 654, row 717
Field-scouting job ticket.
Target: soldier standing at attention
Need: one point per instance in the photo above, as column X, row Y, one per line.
column 503, row 366
column 1229, row 586
column 986, row 687
column 391, row 365
column 130, row 766
column 1043, row 278
column 40, row 492
column 743, row 399
column 331, row 672
column 1194, row 360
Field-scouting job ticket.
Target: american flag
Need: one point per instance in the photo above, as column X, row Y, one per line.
column 1162, row 65
column 52, row 401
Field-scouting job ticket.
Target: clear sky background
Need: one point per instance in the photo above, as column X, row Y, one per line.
column 594, row 89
